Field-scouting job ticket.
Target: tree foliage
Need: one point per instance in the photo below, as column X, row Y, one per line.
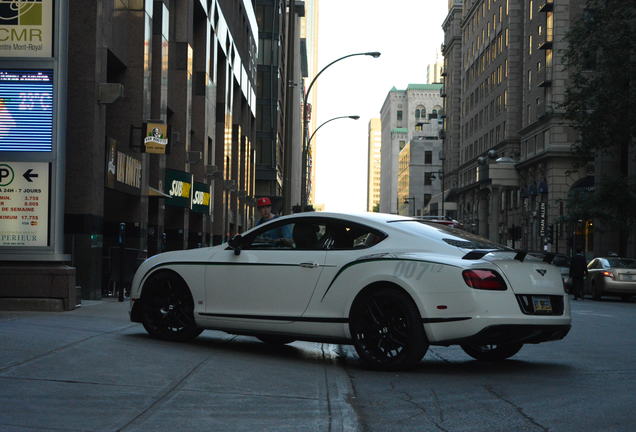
column 601, row 59
column 600, row 101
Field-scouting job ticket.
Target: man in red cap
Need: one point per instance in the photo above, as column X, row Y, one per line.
column 264, row 205
column 280, row 235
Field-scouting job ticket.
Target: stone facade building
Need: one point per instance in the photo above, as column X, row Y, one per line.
column 403, row 113
column 373, row 166
column 189, row 65
column 420, row 169
column 508, row 149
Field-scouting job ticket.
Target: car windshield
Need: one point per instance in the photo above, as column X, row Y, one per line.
column 453, row 236
column 622, row 262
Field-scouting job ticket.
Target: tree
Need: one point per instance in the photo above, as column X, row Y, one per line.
column 601, row 61
column 600, row 102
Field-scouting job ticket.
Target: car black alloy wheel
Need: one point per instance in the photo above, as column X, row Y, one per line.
column 168, row 308
column 492, row 352
column 387, row 331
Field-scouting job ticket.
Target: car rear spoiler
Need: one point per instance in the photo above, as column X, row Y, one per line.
column 476, row 254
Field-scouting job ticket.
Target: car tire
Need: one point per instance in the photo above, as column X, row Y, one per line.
column 386, row 329
column 275, row 340
column 167, row 308
column 492, row 352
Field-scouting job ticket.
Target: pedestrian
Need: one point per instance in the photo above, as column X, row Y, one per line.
column 578, row 273
column 278, row 236
column 264, row 206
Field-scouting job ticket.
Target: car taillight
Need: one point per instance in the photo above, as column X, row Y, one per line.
column 484, row 280
column 608, row 274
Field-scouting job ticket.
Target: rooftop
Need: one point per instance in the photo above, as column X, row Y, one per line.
column 419, row 87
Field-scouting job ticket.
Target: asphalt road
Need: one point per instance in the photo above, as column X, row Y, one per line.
column 92, row 370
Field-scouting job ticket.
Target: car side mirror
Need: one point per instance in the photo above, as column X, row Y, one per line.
column 235, row 243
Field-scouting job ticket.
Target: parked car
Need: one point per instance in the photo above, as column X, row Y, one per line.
column 390, row 285
column 613, row 276
column 444, row 220
column 559, row 260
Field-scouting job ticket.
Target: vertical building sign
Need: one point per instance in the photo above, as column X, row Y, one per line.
column 24, row 203
column 26, row 28
column 542, row 219
column 33, row 76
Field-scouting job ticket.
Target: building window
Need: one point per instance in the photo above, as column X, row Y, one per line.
column 417, row 114
column 428, row 179
column 428, row 157
column 529, row 79
column 530, row 45
column 399, row 115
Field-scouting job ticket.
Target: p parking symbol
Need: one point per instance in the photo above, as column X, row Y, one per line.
column 6, row 175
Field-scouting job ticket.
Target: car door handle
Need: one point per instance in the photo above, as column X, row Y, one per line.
column 309, row 265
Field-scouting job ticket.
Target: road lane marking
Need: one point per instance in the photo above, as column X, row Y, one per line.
column 589, row 313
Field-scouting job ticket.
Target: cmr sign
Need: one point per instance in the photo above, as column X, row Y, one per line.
column 26, row 28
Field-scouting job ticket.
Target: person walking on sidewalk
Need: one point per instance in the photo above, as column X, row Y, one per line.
column 578, row 273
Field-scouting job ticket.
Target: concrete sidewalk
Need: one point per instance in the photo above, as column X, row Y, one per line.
column 91, row 369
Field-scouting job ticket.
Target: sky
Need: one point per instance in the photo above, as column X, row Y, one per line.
column 408, row 33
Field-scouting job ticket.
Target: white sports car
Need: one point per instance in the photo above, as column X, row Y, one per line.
column 390, row 285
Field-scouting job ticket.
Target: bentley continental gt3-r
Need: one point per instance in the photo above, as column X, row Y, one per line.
column 390, row 285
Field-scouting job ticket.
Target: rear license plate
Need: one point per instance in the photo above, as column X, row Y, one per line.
column 542, row 304
column 628, row 277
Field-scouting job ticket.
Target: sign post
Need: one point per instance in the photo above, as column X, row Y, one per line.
column 33, row 89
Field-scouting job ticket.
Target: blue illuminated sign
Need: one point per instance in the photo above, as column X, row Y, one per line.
column 26, row 110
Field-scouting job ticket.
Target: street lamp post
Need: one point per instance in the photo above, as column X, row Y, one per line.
column 407, row 200
column 352, row 117
column 305, row 148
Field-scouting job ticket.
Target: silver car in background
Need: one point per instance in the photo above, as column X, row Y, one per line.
column 611, row 276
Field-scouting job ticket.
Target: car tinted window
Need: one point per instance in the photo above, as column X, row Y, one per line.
column 303, row 235
column 622, row 262
column 453, row 236
column 343, row 235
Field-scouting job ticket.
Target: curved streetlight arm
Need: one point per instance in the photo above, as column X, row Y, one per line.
column 353, row 117
column 374, row 54
column 305, row 120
